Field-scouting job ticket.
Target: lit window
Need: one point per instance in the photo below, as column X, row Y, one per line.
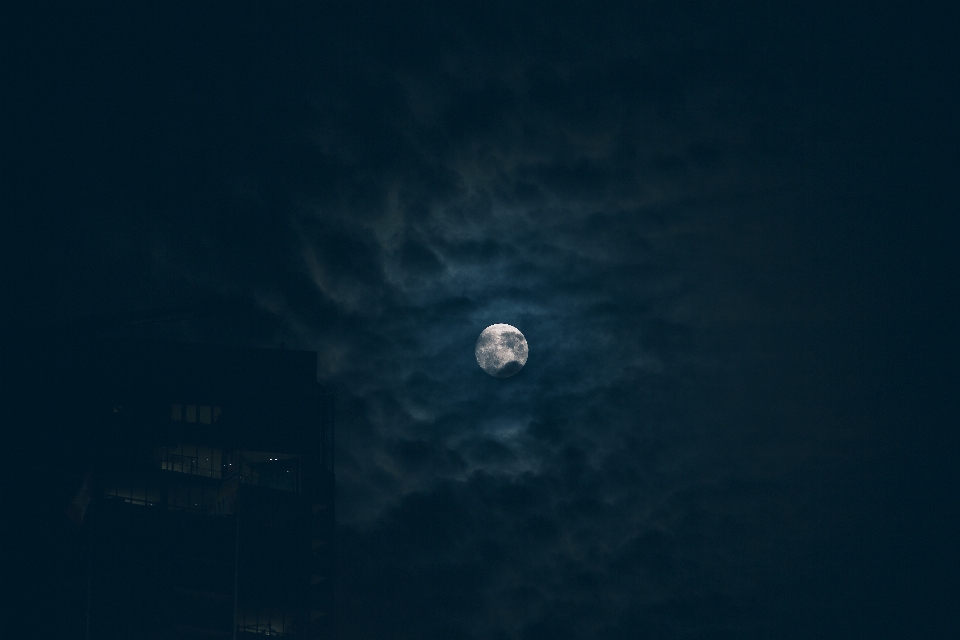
column 191, row 413
column 191, row 459
column 205, row 414
column 176, row 413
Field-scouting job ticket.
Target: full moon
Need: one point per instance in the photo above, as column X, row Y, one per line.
column 501, row 350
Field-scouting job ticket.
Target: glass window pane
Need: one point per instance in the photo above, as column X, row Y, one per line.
column 206, row 464
column 191, row 413
column 175, row 413
column 205, row 414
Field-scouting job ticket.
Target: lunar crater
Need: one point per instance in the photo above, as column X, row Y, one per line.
column 501, row 350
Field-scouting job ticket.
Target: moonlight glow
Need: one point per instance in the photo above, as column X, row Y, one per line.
column 501, row 350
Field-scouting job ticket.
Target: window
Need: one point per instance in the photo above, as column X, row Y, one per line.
column 192, row 459
column 273, row 470
column 264, row 621
column 192, row 476
column 207, row 414
column 141, row 491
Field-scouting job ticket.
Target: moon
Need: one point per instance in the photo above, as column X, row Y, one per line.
column 501, row 350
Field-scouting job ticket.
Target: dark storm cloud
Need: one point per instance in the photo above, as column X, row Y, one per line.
column 648, row 195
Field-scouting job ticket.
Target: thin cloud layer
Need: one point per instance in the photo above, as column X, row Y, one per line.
column 653, row 196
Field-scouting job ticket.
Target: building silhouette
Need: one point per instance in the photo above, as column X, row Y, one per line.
column 202, row 494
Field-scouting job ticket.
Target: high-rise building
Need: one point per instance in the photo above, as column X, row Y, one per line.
column 208, row 498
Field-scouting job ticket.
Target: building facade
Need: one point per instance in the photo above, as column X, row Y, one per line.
column 208, row 501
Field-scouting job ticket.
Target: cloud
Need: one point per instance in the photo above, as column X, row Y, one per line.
column 637, row 189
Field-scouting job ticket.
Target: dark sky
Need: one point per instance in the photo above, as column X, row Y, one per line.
column 726, row 229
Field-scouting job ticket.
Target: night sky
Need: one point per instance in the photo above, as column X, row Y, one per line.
column 727, row 231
